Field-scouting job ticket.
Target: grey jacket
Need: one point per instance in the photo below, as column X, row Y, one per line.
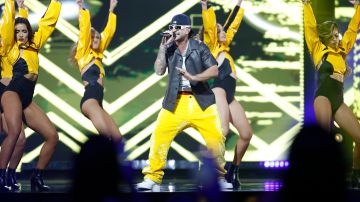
column 198, row 59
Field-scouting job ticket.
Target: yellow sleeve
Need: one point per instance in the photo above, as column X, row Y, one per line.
column 6, row 68
column 234, row 26
column 7, row 28
column 47, row 24
column 108, row 33
column 84, row 43
column 311, row 36
column 23, row 12
column 210, row 28
column 350, row 35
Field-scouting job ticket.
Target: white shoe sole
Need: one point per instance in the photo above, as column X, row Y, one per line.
column 153, row 188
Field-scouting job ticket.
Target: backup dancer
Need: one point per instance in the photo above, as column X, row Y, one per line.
column 218, row 38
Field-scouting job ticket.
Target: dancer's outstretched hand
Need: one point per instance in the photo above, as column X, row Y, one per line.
column 80, row 3
column 204, row 4
column 113, row 4
column 20, row 3
column 355, row 2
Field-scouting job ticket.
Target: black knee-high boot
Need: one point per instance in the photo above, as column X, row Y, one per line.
column 3, row 187
column 232, row 176
column 355, row 178
column 11, row 180
column 37, row 183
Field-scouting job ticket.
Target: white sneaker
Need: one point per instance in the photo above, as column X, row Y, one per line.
column 224, row 185
column 147, row 185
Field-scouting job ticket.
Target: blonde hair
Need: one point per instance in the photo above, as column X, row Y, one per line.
column 325, row 31
column 72, row 60
column 200, row 34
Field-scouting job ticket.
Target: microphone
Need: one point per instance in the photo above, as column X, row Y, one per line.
column 166, row 34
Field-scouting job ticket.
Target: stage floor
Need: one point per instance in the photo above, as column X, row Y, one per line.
column 173, row 185
column 172, row 189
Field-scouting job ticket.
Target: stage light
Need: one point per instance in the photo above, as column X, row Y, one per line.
column 171, row 164
column 272, row 185
column 338, row 137
column 274, row 164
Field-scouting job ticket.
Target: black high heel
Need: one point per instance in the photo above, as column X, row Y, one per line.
column 232, row 176
column 3, row 187
column 11, row 180
column 37, row 183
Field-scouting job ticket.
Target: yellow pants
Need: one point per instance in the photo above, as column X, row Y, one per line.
column 187, row 113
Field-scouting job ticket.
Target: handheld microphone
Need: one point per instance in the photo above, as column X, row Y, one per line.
column 166, row 34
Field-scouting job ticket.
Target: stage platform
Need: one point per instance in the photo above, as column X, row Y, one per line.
column 176, row 187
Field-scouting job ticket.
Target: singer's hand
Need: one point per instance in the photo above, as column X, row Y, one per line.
column 166, row 40
column 185, row 74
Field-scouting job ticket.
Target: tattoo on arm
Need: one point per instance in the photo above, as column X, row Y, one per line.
column 160, row 62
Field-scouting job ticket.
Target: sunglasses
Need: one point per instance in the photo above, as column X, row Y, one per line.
column 178, row 27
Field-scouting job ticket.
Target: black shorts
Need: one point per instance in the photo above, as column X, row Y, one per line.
column 2, row 89
column 333, row 90
column 93, row 91
column 24, row 88
column 229, row 86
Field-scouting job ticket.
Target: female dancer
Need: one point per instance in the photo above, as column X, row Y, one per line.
column 219, row 38
column 329, row 52
column 16, row 101
column 6, row 75
column 87, row 54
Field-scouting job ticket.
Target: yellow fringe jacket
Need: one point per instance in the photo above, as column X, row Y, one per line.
column 84, row 53
column 317, row 49
column 211, row 33
column 30, row 53
column 6, row 67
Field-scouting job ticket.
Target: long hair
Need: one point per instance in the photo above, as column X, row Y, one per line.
column 325, row 30
column 200, row 34
column 72, row 60
column 93, row 31
column 20, row 20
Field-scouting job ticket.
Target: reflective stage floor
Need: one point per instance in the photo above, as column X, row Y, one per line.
column 171, row 190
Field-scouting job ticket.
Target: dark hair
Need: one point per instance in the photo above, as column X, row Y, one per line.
column 191, row 33
column 325, row 30
column 317, row 167
column 200, row 34
column 96, row 171
column 20, row 20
